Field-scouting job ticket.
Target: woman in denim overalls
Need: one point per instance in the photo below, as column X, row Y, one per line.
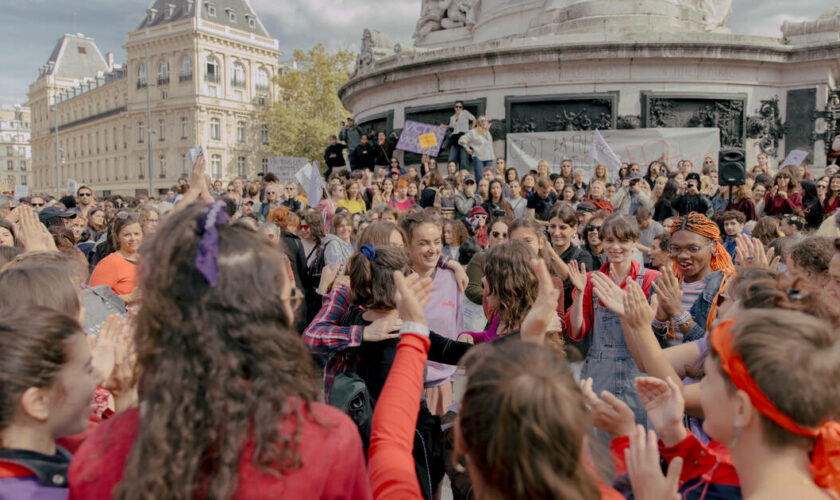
column 608, row 361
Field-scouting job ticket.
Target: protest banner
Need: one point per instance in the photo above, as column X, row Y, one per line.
column 641, row 146
column 421, row 138
column 21, row 191
column 285, row 167
column 795, row 158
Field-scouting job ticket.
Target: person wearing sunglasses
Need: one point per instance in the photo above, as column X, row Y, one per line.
column 84, row 200
column 459, row 124
column 784, row 197
column 37, row 203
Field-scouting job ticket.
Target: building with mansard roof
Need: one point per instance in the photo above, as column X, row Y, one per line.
column 205, row 70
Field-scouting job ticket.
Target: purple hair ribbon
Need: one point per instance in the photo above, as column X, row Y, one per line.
column 207, row 256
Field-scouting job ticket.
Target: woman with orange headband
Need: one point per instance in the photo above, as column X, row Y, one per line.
column 688, row 300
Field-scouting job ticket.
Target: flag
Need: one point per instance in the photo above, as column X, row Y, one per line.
column 310, row 178
column 603, row 153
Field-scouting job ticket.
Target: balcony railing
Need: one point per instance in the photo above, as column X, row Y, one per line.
column 141, row 84
column 211, row 77
column 185, row 77
column 163, row 80
column 240, row 84
column 261, row 87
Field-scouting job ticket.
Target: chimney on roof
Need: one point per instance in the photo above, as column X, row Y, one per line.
column 109, row 60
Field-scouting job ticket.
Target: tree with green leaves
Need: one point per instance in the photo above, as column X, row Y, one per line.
column 308, row 109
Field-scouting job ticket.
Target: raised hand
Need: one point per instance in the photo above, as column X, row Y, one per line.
column 33, row 235
column 665, row 406
column 328, row 276
column 670, row 296
column 542, row 316
column 577, row 275
column 608, row 292
column 413, row 293
column 638, row 314
column 750, row 252
column 642, row 460
column 608, row 413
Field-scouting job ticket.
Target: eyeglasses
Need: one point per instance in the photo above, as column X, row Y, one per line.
column 592, row 227
column 304, row 227
column 295, row 298
column 480, row 216
column 675, row 250
column 499, row 236
column 36, row 204
column 459, row 107
column 822, row 186
column 85, row 194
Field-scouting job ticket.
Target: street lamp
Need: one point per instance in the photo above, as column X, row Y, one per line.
column 149, row 130
column 57, row 149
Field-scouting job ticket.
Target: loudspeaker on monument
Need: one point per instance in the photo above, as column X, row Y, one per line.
column 732, row 170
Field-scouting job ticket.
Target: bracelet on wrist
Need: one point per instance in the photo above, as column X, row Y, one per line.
column 660, row 325
column 683, row 318
column 414, row 327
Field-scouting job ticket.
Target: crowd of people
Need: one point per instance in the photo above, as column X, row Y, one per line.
column 645, row 333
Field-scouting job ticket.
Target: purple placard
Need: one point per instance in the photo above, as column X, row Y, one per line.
column 411, row 132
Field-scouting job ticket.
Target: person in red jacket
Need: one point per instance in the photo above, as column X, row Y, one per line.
column 227, row 405
column 783, row 197
column 522, row 421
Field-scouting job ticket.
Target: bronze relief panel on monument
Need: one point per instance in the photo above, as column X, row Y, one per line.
column 723, row 111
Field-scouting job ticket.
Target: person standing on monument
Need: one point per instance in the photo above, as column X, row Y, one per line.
column 363, row 156
column 351, row 135
column 459, row 124
column 478, row 143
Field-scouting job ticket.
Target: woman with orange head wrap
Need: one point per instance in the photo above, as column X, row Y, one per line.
column 689, row 296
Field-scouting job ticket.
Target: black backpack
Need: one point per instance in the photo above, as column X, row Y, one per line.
column 350, row 395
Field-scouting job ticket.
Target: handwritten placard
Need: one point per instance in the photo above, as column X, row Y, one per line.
column 421, row 138
column 285, row 167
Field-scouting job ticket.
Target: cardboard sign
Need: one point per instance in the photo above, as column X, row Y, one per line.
column 795, row 158
column 285, row 167
column 21, row 191
column 7, row 185
column 412, row 132
column 427, row 140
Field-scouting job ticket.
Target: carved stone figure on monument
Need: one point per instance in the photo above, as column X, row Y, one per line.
column 453, row 17
column 430, row 16
column 375, row 45
column 715, row 13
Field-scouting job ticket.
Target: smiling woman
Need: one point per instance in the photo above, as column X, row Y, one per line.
column 119, row 269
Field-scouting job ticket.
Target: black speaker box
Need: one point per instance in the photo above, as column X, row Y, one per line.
column 732, row 170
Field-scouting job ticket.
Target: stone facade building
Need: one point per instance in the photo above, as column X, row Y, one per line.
column 568, row 65
column 15, row 151
column 206, row 68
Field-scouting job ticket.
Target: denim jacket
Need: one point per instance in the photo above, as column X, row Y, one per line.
column 700, row 309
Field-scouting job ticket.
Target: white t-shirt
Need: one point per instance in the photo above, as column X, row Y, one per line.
column 462, row 124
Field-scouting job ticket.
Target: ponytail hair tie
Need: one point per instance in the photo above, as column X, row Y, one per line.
column 207, row 255
column 793, row 294
column 368, row 251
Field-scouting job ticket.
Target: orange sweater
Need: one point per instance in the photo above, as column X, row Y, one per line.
column 115, row 272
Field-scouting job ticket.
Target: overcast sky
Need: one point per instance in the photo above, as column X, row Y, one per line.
column 31, row 28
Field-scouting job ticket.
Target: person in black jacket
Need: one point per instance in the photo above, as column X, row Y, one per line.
column 364, row 156
column 334, row 155
column 385, row 146
column 692, row 200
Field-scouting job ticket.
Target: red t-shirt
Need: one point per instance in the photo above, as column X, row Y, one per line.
column 330, row 450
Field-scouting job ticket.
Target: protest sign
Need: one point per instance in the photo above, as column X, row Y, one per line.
column 193, row 154
column 21, row 191
column 310, row 178
column 795, row 158
column 421, row 138
column 72, row 187
column 7, row 184
column 285, row 167
column 641, row 146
